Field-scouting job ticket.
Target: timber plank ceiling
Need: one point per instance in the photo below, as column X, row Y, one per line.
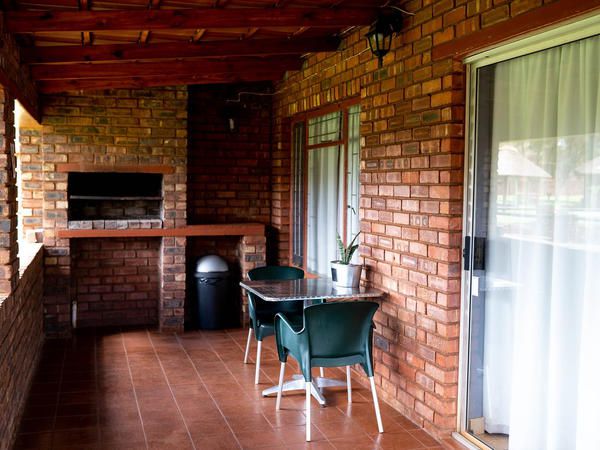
column 93, row 44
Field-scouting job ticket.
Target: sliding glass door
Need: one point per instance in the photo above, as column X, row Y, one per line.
column 532, row 251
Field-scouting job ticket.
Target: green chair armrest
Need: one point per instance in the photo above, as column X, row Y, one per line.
column 293, row 341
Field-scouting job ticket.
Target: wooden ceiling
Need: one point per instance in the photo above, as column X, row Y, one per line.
column 93, row 44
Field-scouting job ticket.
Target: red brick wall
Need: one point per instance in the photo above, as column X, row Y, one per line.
column 412, row 139
column 116, row 281
column 229, row 172
column 9, row 249
column 30, row 161
column 14, row 76
column 139, row 127
column 21, row 339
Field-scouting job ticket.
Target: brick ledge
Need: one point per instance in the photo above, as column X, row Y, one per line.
column 231, row 229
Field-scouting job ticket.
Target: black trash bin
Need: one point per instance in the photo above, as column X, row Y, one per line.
column 213, row 282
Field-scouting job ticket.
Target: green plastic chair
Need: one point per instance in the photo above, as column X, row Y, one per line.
column 262, row 313
column 332, row 335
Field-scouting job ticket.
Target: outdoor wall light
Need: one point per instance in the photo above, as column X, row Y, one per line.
column 379, row 36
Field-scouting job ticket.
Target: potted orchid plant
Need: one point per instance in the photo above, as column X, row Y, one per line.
column 343, row 272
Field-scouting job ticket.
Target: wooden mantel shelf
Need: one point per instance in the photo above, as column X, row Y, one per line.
column 230, row 229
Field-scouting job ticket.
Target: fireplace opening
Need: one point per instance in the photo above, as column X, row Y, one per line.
column 114, row 196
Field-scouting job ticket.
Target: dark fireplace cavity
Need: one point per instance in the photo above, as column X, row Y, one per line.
column 114, row 196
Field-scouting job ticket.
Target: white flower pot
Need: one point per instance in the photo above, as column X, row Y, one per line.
column 345, row 275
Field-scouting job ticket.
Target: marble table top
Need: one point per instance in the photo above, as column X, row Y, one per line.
column 305, row 289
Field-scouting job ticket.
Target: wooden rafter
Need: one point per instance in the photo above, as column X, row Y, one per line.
column 145, row 34
column 53, row 86
column 40, row 21
column 198, row 34
column 183, row 68
column 125, row 52
column 86, row 36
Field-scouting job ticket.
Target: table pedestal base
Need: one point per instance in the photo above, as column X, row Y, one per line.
column 297, row 384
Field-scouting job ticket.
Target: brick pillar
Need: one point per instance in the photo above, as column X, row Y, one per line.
column 251, row 252
column 172, row 288
column 30, row 158
column 57, row 251
column 9, row 249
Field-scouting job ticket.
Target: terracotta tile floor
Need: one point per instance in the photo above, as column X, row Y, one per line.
column 142, row 390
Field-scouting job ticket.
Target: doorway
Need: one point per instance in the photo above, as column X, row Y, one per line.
column 532, row 249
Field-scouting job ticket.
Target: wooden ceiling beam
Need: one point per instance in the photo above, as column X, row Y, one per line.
column 54, row 86
column 172, row 50
column 48, row 21
column 132, row 69
column 86, row 36
column 145, row 34
column 198, row 34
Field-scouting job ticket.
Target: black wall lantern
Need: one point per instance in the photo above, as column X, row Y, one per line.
column 388, row 23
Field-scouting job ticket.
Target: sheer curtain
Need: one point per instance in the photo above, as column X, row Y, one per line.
column 324, row 193
column 324, row 208
column 542, row 317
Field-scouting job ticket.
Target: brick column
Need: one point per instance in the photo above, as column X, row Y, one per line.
column 9, row 260
column 30, row 158
column 172, row 253
column 251, row 252
column 57, row 251
column 172, row 288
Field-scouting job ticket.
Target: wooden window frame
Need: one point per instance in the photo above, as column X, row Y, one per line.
column 343, row 107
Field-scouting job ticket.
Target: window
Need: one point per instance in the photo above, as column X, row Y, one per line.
column 325, row 186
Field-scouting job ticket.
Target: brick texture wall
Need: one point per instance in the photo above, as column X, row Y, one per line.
column 30, row 162
column 229, row 171
column 143, row 127
column 115, row 281
column 9, row 249
column 14, row 77
column 412, row 146
column 21, row 339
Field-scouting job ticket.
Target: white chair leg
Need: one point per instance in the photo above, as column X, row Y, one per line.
column 376, row 404
column 280, row 390
column 349, row 384
column 321, row 373
column 248, row 346
column 308, row 385
column 257, row 373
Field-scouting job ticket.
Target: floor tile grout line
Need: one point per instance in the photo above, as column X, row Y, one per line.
column 303, row 411
column 137, row 403
column 235, row 378
column 162, row 368
column 208, row 391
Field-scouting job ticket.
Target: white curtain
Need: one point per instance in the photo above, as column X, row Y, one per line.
column 542, row 298
column 324, row 193
column 324, row 208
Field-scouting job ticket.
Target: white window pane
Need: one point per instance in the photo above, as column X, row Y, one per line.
column 353, row 176
column 325, row 128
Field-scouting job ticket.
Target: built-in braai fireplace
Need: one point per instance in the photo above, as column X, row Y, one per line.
column 104, row 196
